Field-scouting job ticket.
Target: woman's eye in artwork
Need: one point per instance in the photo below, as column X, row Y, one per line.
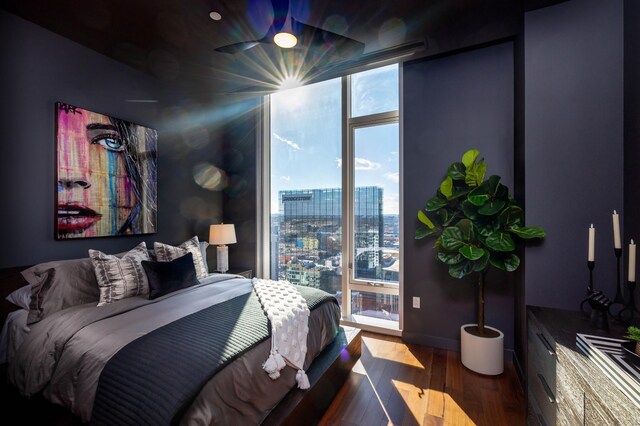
column 109, row 141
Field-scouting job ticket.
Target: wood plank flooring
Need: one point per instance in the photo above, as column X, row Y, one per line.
column 396, row 383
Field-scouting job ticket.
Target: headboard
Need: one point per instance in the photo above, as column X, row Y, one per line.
column 10, row 280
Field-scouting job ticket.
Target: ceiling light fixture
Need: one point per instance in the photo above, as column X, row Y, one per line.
column 215, row 16
column 284, row 37
column 285, row 40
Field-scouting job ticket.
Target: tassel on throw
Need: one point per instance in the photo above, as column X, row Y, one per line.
column 271, row 365
column 302, row 379
column 279, row 361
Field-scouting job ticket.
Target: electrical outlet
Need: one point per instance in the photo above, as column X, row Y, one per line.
column 416, row 302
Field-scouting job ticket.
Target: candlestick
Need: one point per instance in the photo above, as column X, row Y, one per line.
column 616, row 231
column 627, row 314
column 631, row 273
column 592, row 244
column 618, row 298
column 617, row 305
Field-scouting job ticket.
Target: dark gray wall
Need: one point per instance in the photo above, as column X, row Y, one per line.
column 632, row 121
column 451, row 105
column 573, row 145
column 241, row 137
column 40, row 68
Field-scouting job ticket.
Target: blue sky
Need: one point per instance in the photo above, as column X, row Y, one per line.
column 306, row 137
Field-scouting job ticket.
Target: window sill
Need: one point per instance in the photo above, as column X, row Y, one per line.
column 375, row 325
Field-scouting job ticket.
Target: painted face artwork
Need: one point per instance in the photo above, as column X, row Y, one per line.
column 106, row 175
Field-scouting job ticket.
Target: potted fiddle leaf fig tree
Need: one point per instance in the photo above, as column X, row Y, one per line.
column 476, row 226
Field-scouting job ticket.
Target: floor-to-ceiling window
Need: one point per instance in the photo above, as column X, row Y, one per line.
column 333, row 185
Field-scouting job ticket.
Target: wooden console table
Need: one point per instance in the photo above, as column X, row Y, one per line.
column 564, row 386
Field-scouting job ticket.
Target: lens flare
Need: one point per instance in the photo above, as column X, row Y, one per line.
column 289, row 83
column 209, row 177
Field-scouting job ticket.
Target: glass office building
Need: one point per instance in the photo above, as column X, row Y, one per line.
column 307, row 236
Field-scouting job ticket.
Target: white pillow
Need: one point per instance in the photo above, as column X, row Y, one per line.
column 21, row 297
column 120, row 278
column 167, row 253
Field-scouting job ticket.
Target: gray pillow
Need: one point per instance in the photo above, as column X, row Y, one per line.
column 166, row 253
column 120, row 277
column 21, row 297
column 58, row 285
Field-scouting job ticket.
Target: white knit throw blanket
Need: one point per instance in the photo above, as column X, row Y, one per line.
column 289, row 316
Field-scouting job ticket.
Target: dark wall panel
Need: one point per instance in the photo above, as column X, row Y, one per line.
column 573, row 145
column 451, row 105
column 632, row 121
column 40, row 68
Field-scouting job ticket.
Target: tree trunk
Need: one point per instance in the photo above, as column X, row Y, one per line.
column 481, row 330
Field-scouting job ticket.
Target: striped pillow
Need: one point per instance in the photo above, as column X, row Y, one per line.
column 167, row 253
column 123, row 277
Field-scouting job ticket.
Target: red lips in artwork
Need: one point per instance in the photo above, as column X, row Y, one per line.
column 76, row 218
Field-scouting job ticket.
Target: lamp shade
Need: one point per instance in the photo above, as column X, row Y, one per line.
column 222, row 234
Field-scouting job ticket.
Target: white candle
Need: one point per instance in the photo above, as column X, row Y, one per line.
column 616, row 231
column 592, row 244
column 632, row 262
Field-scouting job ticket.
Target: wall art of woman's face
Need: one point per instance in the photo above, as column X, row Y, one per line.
column 106, row 175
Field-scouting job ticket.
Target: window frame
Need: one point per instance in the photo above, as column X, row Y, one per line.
column 263, row 203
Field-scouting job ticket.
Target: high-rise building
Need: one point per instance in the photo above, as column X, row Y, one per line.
column 309, row 240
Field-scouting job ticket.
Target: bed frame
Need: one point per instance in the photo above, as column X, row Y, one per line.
column 326, row 375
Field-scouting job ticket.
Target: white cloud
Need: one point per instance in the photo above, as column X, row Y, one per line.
column 291, row 143
column 364, row 164
column 287, row 178
column 393, row 177
column 361, row 164
column 391, row 204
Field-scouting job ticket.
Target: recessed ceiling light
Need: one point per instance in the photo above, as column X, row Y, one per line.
column 285, row 40
column 215, row 16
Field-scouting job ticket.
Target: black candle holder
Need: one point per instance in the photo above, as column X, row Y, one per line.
column 617, row 305
column 629, row 311
column 597, row 301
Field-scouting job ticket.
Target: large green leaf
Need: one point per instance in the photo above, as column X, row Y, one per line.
column 461, row 269
column 528, row 232
column 452, row 238
column 449, row 258
column 458, row 192
column 469, row 157
column 471, row 252
column 424, row 219
column 512, row 216
column 423, row 232
column 435, row 203
column 457, row 171
column 506, row 262
column 475, row 173
column 491, row 208
column 479, row 195
column 452, row 218
column 487, row 228
column 469, row 210
column 446, row 187
column 480, row 264
column 467, row 231
column 501, row 193
column 500, row 241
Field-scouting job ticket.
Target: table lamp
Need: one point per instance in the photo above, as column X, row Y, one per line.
column 221, row 235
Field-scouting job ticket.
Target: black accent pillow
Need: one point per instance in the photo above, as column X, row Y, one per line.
column 167, row 277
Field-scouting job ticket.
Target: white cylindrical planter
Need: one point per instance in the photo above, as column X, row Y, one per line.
column 484, row 355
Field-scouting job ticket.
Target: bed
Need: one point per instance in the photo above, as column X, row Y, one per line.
column 74, row 357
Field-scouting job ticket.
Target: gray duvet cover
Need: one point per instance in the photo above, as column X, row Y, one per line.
column 64, row 354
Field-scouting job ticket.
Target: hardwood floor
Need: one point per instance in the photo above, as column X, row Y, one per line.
column 404, row 384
